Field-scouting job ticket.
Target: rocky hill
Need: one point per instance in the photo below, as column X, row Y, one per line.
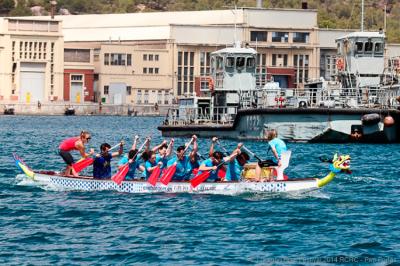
column 342, row 14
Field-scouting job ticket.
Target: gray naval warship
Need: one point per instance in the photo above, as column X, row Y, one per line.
column 361, row 105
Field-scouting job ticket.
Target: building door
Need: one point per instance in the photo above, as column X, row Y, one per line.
column 117, row 93
column 282, row 80
column 76, row 92
column 32, row 82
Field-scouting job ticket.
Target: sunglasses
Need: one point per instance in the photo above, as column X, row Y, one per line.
column 88, row 138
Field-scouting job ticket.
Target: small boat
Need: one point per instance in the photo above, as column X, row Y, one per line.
column 9, row 110
column 59, row 182
column 69, row 111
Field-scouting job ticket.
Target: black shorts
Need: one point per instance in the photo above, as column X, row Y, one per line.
column 267, row 163
column 67, row 157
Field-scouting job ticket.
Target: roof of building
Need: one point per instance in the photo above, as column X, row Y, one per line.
column 154, row 25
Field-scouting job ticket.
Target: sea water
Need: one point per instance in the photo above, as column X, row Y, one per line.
column 355, row 219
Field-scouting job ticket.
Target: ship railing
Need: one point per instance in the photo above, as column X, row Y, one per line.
column 224, row 115
column 321, row 97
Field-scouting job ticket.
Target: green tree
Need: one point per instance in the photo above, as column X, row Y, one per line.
column 6, row 5
column 21, row 10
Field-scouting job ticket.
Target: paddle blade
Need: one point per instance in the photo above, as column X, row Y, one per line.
column 120, row 175
column 222, row 173
column 197, row 180
column 82, row 164
column 154, row 176
column 168, row 174
column 195, row 171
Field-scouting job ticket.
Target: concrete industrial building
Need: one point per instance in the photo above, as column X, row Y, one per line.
column 150, row 59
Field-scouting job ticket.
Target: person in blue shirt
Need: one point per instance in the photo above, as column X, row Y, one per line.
column 236, row 162
column 213, row 164
column 277, row 146
column 101, row 163
column 184, row 163
column 133, row 160
column 164, row 152
column 151, row 164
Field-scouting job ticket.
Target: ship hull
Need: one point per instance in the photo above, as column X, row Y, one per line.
column 297, row 125
column 58, row 182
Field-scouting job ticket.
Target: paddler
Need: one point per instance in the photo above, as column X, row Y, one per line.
column 164, row 152
column 74, row 143
column 213, row 164
column 236, row 162
column 184, row 163
column 133, row 160
column 102, row 162
column 151, row 164
column 277, row 146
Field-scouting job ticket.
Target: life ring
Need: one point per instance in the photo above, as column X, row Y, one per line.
column 340, row 63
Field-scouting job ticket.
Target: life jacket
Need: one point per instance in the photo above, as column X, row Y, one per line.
column 68, row 144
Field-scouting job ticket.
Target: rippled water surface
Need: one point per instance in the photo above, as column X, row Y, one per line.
column 355, row 219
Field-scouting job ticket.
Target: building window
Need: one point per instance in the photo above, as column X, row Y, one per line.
column 150, row 57
column 159, row 97
column 280, row 37
column 150, row 70
column 146, row 96
column 128, row 59
column 156, row 57
column 118, row 59
column 139, row 97
column 145, row 70
column 105, row 92
column 156, row 70
column 106, row 59
column 204, row 63
column 258, row 36
column 76, row 77
column 129, row 90
column 301, row 64
column 76, row 55
column 145, row 57
column 280, row 60
column 301, row 37
column 185, row 70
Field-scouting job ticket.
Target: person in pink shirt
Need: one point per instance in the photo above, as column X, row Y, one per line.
column 74, row 143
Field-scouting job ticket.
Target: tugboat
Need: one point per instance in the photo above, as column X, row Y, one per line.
column 360, row 106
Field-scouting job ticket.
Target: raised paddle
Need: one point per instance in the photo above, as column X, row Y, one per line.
column 169, row 173
column 85, row 162
column 156, row 173
column 197, row 180
column 222, row 147
column 123, row 170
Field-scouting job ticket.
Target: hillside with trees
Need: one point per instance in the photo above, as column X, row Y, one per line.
column 333, row 14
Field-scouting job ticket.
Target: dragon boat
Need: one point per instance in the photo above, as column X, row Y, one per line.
column 247, row 185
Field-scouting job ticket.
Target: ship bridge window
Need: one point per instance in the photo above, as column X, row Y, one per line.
column 378, row 48
column 250, row 64
column 220, row 63
column 230, row 62
column 359, row 47
column 240, row 61
column 368, row 47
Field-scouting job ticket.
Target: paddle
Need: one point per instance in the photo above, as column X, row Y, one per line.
column 223, row 148
column 169, row 173
column 252, row 153
column 123, row 170
column 85, row 162
column 156, row 173
column 197, row 180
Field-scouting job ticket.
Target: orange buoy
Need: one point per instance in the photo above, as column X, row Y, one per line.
column 388, row 121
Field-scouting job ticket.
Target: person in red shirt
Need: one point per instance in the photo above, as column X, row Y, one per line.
column 74, row 143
